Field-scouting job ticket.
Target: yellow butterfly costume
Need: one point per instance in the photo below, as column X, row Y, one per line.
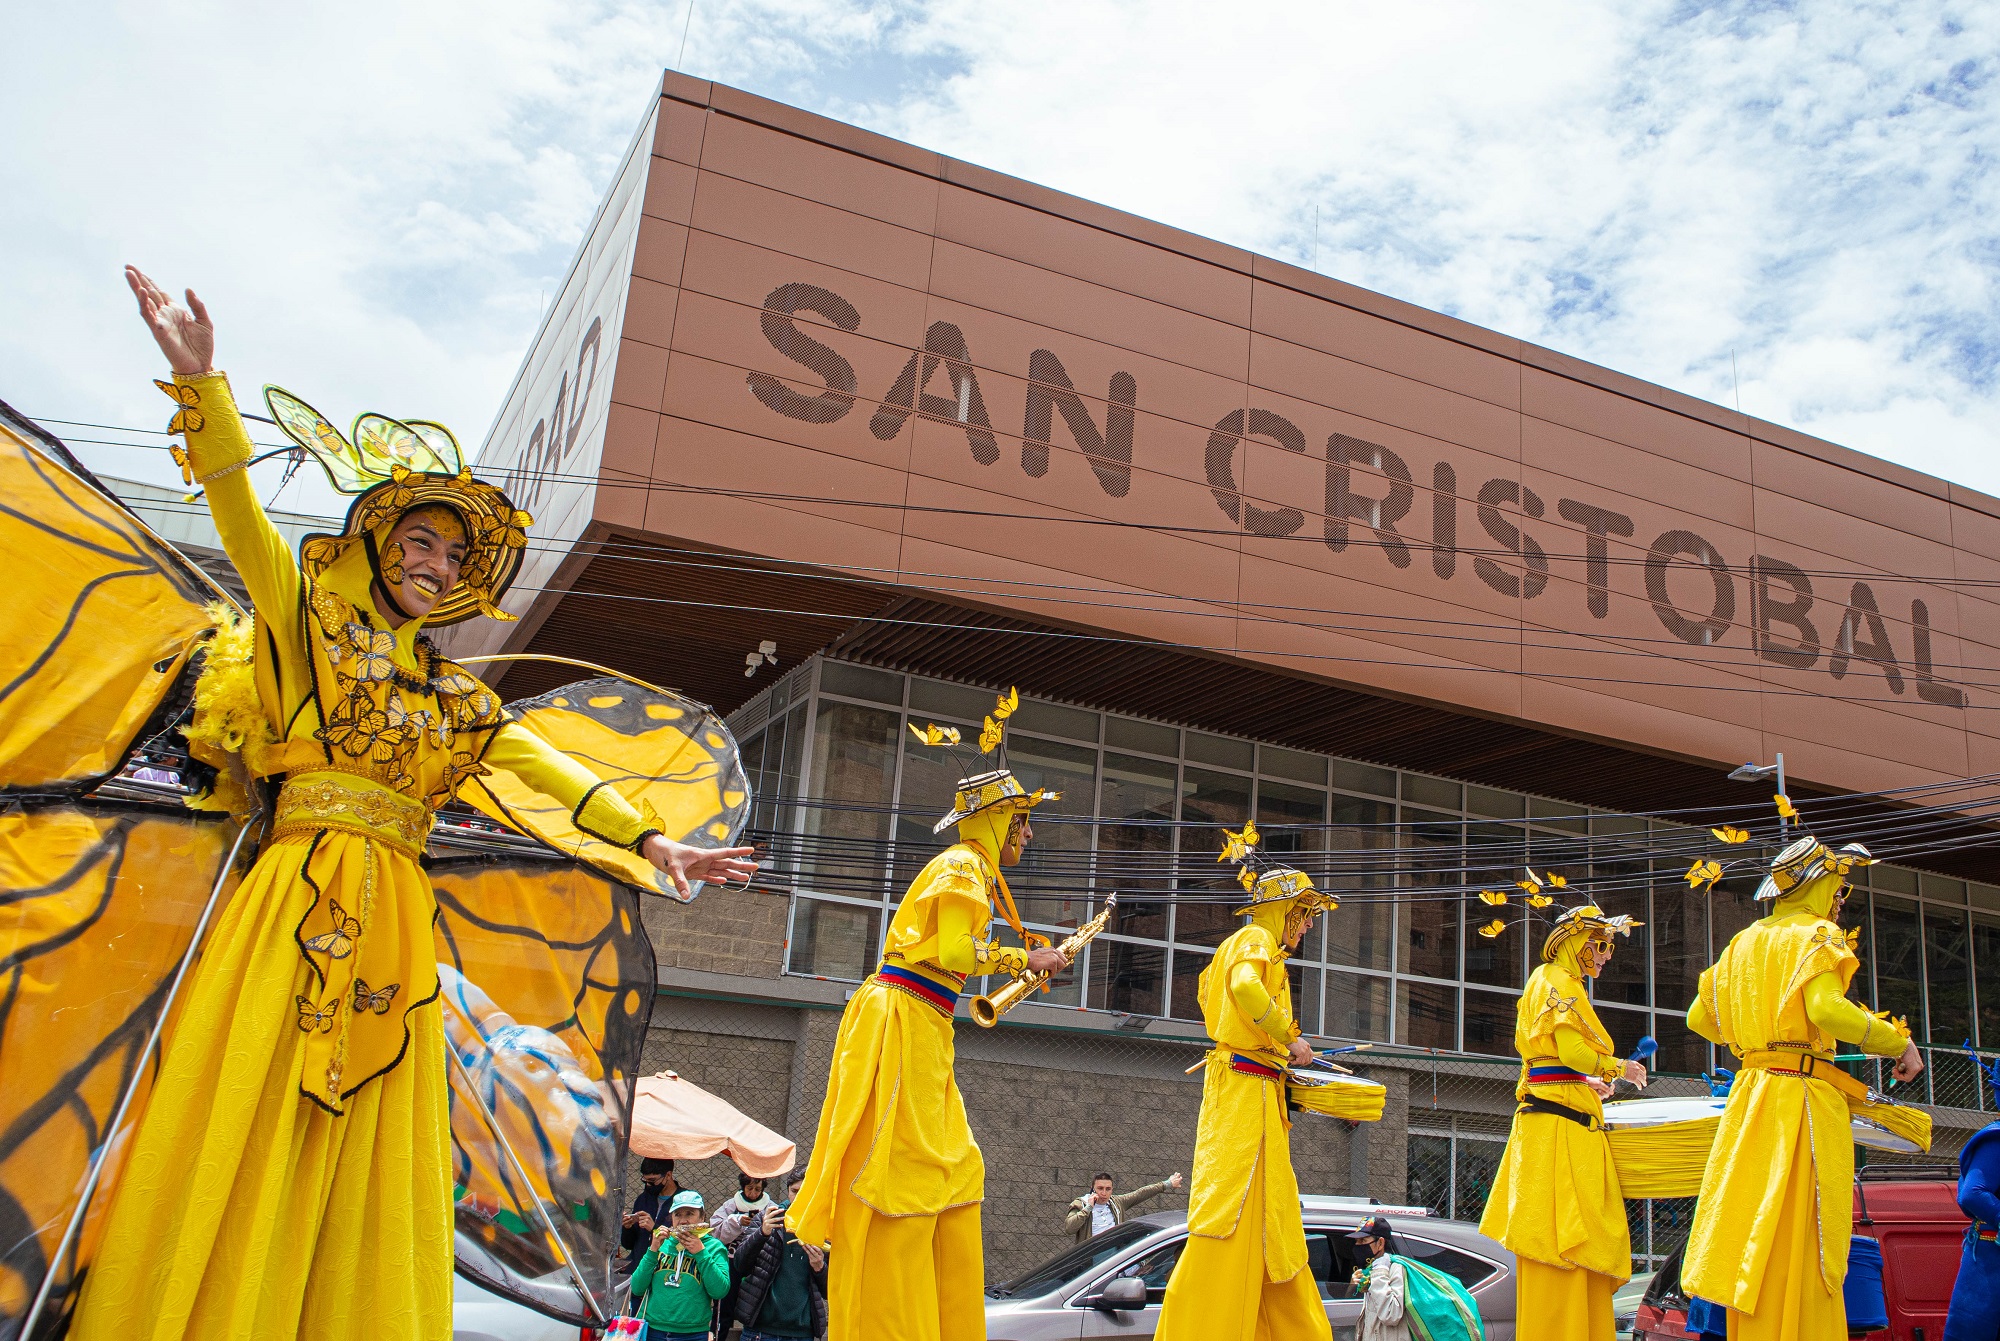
column 295, row 1168
column 1556, row 1201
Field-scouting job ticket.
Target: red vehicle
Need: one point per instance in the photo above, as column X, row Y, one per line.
column 1911, row 1210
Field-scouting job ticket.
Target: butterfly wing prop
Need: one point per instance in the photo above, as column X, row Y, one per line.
column 101, row 886
column 547, row 981
column 669, row 756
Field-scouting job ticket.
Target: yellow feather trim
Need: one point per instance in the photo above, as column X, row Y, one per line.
column 229, row 732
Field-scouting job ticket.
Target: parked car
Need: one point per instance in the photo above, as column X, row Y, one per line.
column 1112, row 1285
column 1625, row 1304
column 477, row 1314
column 1911, row 1210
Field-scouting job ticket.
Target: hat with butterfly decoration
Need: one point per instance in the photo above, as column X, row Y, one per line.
column 1588, row 922
column 1266, row 882
column 1805, row 860
column 397, row 466
column 990, row 787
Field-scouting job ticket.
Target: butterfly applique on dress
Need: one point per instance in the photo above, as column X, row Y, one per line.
column 365, row 1000
column 338, row 943
column 313, row 1017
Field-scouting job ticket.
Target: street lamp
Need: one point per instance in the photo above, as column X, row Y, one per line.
column 1758, row 773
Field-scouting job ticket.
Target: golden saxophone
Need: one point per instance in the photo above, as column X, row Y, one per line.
column 987, row 1010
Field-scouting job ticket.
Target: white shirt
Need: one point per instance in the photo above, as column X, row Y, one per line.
column 1382, row 1306
column 1101, row 1217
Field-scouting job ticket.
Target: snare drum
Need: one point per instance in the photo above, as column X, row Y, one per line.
column 1333, row 1095
column 1660, row 1146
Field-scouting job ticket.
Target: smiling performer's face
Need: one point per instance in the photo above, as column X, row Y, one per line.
column 421, row 561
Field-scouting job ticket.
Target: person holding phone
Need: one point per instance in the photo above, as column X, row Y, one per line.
column 686, row 1270
column 780, row 1280
column 738, row 1213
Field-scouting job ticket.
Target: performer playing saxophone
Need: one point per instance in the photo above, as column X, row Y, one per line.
column 1555, row 1203
column 1244, row 1272
column 896, row 1178
column 1772, row 1228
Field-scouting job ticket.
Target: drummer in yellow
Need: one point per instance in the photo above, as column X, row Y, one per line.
column 1556, row 1204
column 1772, row 1227
column 1244, row 1272
column 896, row 1178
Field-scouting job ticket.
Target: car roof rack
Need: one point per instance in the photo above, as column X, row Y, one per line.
column 1933, row 1171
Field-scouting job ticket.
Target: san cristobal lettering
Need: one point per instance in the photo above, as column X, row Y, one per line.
column 1372, row 501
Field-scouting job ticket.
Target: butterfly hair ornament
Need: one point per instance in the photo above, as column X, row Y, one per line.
column 993, row 785
column 394, row 467
column 1266, row 883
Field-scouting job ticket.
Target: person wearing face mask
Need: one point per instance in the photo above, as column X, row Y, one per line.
column 896, row 1179
column 1556, row 1203
column 1402, row 1297
column 1772, row 1228
column 1244, row 1272
column 292, row 1172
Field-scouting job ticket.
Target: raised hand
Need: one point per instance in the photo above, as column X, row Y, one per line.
column 684, row 865
column 185, row 334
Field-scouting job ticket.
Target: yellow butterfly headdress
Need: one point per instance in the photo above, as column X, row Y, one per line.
column 395, row 466
column 1266, row 883
column 992, row 786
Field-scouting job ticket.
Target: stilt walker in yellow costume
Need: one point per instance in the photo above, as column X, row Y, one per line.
column 1555, row 1203
column 896, row 1179
column 291, row 1175
column 1244, row 1273
column 1772, row 1228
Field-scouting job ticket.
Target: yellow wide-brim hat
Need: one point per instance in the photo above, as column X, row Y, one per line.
column 1283, row 884
column 1587, row 921
column 983, row 791
column 1807, row 859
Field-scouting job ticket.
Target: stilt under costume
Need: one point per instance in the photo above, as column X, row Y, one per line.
column 1772, row 1227
column 1244, row 1272
column 1975, row 1298
column 1556, row 1203
column 293, row 1173
column 896, row 1178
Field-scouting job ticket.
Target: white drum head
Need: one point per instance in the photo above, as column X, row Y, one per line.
column 1634, row 1113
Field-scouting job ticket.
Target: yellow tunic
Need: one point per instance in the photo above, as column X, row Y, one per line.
column 1244, row 1272
column 1556, row 1203
column 1772, row 1227
column 291, row 1174
column 896, row 1179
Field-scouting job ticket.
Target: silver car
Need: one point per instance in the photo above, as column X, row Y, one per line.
column 1112, row 1286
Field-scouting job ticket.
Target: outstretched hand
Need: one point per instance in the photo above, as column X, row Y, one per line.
column 684, row 865
column 185, row 334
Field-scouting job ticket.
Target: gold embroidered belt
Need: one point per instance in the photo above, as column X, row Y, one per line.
column 313, row 802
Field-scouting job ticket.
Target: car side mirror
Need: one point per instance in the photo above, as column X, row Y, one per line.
column 1127, row 1292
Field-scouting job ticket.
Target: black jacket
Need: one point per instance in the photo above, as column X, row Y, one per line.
column 754, row 1265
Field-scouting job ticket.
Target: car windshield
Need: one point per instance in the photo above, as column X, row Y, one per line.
column 1078, row 1261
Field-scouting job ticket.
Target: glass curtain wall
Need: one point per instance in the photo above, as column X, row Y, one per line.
column 1416, row 972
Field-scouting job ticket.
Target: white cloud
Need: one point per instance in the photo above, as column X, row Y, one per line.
column 376, row 197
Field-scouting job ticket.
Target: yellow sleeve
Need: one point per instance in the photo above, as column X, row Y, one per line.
column 959, row 948
column 217, row 451
column 1247, row 990
column 1702, row 1022
column 1834, row 1014
column 1577, row 1054
column 595, row 808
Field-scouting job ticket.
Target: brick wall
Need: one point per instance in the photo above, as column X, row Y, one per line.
column 741, row 933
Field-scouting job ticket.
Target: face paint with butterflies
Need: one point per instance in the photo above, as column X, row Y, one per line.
column 557, row 976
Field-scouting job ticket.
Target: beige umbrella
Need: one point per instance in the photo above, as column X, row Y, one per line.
column 678, row 1119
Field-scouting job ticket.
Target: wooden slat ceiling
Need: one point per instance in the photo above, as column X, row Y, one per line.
column 688, row 619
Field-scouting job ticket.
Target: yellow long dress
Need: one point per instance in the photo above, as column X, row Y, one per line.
column 1772, row 1228
column 291, row 1173
column 1556, row 1203
column 1244, row 1272
column 896, row 1178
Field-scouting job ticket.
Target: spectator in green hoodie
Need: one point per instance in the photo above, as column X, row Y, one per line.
column 682, row 1275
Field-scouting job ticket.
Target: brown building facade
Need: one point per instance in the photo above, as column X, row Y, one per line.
column 1251, row 541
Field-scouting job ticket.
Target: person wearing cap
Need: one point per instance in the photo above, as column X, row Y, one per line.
column 1244, row 1272
column 682, row 1276
column 1771, row 1229
column 897, row 1179
column 1401, row 1296
column 1556, row 1203
column 1975, row 1295
column 656, row 1177
column 292, row 1172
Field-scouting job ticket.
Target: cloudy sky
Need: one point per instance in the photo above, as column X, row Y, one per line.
column 1787, row 206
